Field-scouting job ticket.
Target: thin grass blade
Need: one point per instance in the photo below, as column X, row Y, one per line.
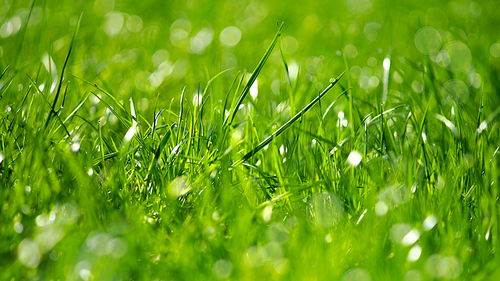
column 254, row 75
column 290, row 122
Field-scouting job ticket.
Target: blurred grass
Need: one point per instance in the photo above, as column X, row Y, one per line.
column 125, row 167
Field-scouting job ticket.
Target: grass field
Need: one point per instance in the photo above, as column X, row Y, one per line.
column 247, row 140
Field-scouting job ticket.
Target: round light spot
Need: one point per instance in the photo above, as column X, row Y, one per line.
column 222, row 269
column 201, row 40
column 113, row 23
column 413, row 275
column 6, row 29
column 314, row 65
column 28, row 253
column 141, row 81
column 427, row 40
column 495, row 50
column 455, row 90
column 457, row 56
column 374, row 81
column 18, row 227
column 325, row 209
column 449, row 268
column 399, row 231
column 290, row 45
column 417, row 86
column 134, row 23
column 372, row 61
column 356, row 274
column 255, row 256
column 411, row 237
column 350, row 51
column 230, row 36
column 179, row 37
column 371, row 30
column 159, row 57
column 355, row 72
column 381, row 208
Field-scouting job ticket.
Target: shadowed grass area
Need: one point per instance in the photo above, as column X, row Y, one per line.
column 136, row 145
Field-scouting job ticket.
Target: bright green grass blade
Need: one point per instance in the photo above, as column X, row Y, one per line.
column 254, row 75
column 449, row 125
column 290, row 122
column 283, row 58
column 117, row 103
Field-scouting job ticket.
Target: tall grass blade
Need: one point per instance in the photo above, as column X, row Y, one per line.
column 58, row 92
column 254, row 75
column 449, row 125
column 289, row 123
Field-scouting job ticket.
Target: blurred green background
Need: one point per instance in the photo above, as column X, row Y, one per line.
column 151, row 47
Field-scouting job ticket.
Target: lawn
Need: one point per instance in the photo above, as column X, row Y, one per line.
column 247, row 140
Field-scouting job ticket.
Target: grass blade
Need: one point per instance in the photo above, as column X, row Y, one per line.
column 58, row 92
column 449, row 125
column 290, row 122
column 254, row 75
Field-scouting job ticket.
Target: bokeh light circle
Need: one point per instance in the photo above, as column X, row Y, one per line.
column 230, row 36
column 455, row 90
column 457, row 56
column 427, row 40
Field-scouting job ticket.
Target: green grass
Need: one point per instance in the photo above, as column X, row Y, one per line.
column 145, row 141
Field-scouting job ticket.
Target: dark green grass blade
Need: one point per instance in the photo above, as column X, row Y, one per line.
column 290, row 122
column 4, row 71
column 58, row 92
column 254, row 76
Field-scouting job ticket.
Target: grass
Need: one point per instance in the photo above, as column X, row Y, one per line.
column 135, row 144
